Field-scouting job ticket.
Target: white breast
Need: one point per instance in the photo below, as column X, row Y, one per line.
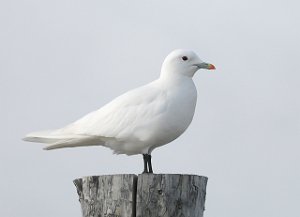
column 180, row 101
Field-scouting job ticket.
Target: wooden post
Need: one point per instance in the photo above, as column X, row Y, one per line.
column 170, row 195
column 148, row 195
column 109, row 196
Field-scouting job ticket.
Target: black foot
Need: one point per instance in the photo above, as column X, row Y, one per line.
column 147, row 164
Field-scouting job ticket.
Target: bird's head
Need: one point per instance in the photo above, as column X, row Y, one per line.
column 183, row 62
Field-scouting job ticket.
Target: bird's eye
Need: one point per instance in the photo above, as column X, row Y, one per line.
column 184, row 58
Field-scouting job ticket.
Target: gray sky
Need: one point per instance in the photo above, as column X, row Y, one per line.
column 61, row 59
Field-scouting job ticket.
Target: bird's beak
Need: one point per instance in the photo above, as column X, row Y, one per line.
column 205, row 66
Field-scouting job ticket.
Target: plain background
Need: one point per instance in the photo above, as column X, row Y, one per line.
column 61, row 59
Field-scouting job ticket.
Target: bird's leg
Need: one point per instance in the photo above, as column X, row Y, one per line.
column 145, row 163
column 150, row 164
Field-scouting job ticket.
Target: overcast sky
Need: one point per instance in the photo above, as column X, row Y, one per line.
column 61, row 59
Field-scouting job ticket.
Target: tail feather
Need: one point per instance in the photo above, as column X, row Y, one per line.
column 77, row 142
column 41, row 137
column 57, row 140
column 49, row 136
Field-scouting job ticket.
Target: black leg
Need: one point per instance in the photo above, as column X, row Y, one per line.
column 150, row 164
column 145, row 163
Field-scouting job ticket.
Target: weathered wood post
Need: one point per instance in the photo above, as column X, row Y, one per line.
column 109, row 196
column 146, row 195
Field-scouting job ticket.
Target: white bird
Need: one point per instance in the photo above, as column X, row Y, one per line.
column 139, row 120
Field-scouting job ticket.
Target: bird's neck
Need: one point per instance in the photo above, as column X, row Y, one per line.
column 173, row 79
column 168, row 73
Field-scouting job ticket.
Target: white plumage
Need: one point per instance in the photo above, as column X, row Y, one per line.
column 141, row 119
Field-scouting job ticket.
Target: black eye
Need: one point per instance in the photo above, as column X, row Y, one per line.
column 184, row 58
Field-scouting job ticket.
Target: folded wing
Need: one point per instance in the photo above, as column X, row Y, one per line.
column 116, row 121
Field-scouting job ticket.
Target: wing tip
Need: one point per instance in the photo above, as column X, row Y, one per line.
column 47, row 148
column 29, row 139
column 24, row 139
